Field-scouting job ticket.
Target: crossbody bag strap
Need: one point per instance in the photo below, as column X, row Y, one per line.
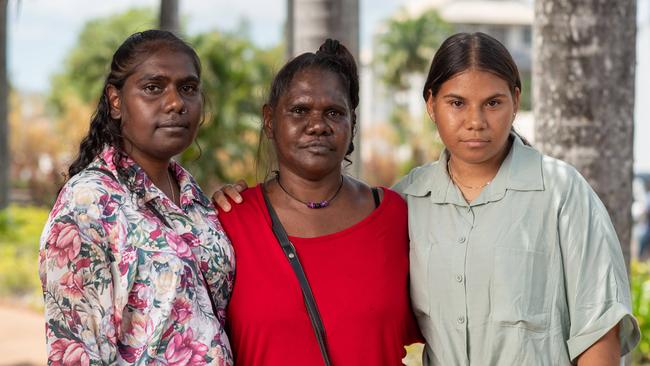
column 290, row 252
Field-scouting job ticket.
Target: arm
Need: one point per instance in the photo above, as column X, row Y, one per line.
column 605, row 352
column 595, row 276
column 220, row 197
column 77, row 286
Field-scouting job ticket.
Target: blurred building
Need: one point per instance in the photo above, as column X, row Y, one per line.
column 509, row 21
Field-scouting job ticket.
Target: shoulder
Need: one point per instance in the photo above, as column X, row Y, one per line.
column 569, row 189
column 90, row 187
column 393, row 197
column 247, row 211
column 556, row 170
column 562, row 178
column 87, row 200
column 421, row 176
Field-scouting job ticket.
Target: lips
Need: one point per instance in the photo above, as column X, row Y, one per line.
column 174, row 125
column 316, row 146
column 475, row 142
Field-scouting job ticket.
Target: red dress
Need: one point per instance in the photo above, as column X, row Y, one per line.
column 359, row 277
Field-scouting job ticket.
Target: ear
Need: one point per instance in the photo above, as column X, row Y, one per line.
column 114, row 101
column 431, row 104
column 516, row 98
column 267, row 115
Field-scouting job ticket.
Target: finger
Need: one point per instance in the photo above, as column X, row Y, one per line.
column 241, row 185
column 220, row 200
column 232, row 192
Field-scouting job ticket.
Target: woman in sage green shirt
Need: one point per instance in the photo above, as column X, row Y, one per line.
column 514, row 260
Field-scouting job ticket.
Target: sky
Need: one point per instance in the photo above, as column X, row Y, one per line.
column 41, row 33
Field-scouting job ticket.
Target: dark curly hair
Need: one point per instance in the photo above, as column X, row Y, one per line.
column 331, row 56
column 104, row 130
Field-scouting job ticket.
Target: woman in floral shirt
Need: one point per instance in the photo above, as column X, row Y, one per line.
column 133, row 250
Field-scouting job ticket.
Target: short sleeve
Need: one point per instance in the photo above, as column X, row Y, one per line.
column 597, row 284
column 75, row 271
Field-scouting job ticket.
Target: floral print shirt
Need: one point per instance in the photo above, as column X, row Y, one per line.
column 128, row 276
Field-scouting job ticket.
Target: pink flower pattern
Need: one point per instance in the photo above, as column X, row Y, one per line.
column 123, row 268
column 67, row 353
column 66, row 243
column 185, row 351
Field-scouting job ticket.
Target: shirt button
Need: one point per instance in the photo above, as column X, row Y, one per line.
column 459, row 278
column 461, row 320
column 461, row 239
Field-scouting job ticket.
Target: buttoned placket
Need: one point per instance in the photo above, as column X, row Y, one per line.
column 465, row 223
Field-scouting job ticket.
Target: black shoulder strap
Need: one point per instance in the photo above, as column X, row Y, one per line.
column 290, row 252
column 375, row 195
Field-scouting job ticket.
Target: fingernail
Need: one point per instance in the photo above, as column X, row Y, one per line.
column 238, row 199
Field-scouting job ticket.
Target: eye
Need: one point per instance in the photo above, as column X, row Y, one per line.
column 333, row 113
column 456, row 103
column 298, row 110
column 493, row 103
column 189, row 89
column 152, row 89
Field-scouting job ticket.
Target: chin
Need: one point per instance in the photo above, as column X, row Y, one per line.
column 171, row 150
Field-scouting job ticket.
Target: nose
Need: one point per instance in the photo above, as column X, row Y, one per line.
column 316, row 125
column 475, row 119
column 174, row 102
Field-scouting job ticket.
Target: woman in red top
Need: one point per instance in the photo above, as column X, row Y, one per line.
column 352, row 240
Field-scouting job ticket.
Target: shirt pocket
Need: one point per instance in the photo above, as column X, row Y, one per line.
column 520, row 294
column 420, row 273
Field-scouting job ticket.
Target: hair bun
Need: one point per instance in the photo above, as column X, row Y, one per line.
column 330, row 46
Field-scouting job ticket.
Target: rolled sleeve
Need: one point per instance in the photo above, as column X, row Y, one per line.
column 597, row 285
column 614, row 313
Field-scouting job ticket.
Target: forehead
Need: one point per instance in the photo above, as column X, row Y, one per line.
column 474, row 82
column 315, row 81
column 166, row 62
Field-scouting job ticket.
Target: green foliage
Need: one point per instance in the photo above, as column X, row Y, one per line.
column 236, row 74
column 640, row 287
column 86, row 66
column 525, row 102
column 20, row 230
column 409, row 45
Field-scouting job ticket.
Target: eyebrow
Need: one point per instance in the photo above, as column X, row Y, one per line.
column 456, row 96
column 158, row 77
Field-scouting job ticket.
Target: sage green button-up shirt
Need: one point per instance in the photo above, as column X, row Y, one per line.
column 529, row 273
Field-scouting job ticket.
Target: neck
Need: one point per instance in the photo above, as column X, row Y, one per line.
column 477, row 174
column 298, row 188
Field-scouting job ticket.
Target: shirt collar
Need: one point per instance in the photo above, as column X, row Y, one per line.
column 521, row 171
column 143, row 187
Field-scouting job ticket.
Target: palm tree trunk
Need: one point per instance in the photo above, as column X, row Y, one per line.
column 4, row 113
column 583, row 90
column 169, row 19
column 310, row 22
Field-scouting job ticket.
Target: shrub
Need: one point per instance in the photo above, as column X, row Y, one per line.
column 640, row 285
column 20, row 230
